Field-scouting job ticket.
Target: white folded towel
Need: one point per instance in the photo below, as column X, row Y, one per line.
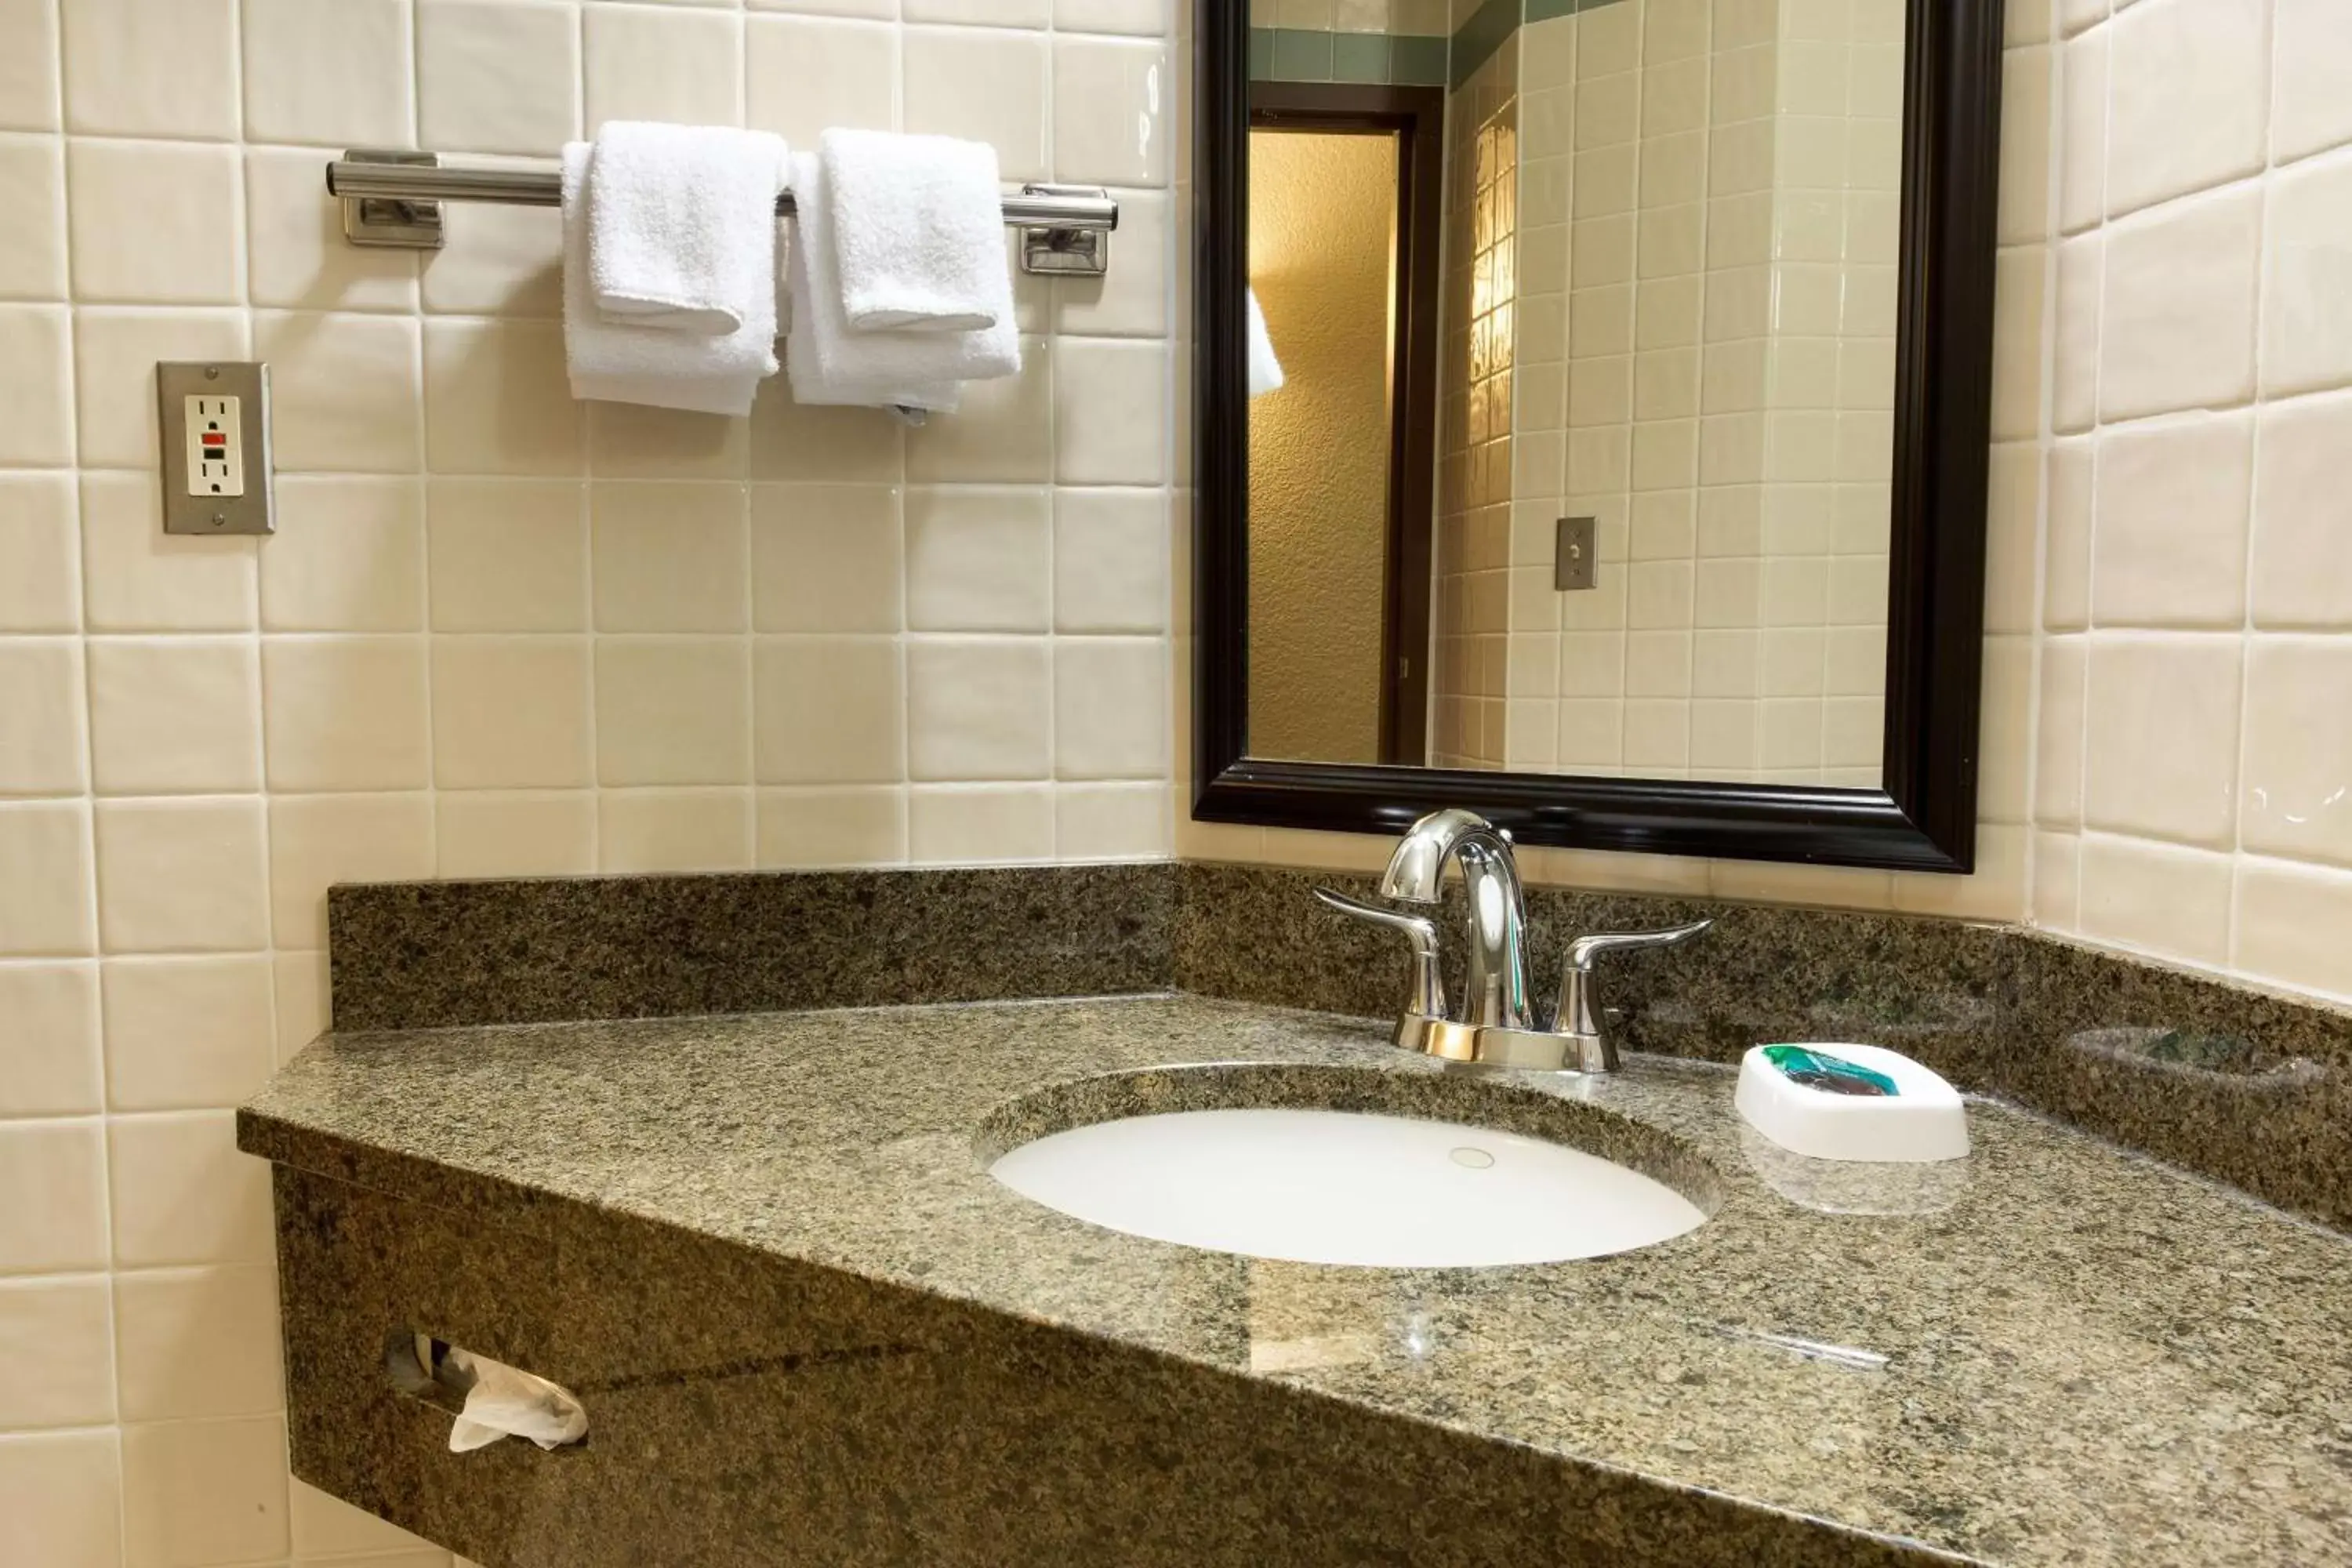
column 615, row 364
column 830, row 363
column 1265, row 370
column 918, row 231
column 682, row 232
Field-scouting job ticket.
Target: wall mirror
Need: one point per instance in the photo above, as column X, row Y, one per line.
column 1593, row 400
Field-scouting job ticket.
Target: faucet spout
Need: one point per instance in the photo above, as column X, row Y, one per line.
column 1494, row 976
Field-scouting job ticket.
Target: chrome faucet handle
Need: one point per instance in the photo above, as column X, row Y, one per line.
column 1592, row 1043
column 1427, row 997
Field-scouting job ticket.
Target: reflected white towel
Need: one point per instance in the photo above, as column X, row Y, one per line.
column 682, row 224
column 615, row 364
column 918, row 231
column 830, row 363
column 1265, row 370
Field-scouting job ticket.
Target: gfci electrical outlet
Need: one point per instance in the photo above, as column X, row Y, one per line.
column 215, row 445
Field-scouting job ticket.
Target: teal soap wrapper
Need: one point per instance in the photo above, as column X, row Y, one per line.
column 1832, row 1075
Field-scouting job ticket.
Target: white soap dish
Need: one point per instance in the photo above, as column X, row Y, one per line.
column 1923, row 1122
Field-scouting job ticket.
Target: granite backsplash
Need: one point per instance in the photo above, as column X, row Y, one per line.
column 2239, row 1085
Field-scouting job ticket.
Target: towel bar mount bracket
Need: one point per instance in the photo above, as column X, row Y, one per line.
column 392, row 199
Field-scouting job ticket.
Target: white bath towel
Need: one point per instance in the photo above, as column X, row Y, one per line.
column 1265, row 370
column 615, row 364
column 682, row 232
column 918, row 231
column 830, row 363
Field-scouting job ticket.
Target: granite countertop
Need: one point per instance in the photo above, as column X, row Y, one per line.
column 2087, row 1357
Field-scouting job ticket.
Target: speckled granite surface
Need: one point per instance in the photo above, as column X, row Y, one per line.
column 779, row 1228
column 410, row 955
column 1998, row 1011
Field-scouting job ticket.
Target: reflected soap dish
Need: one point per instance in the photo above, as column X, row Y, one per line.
column 1849, row 1102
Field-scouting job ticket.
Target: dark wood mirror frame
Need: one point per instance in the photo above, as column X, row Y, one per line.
column 1924, row 817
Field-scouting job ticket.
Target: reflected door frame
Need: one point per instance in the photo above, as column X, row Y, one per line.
column 1416, row 117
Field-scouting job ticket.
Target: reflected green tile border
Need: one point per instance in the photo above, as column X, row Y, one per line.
column 1299, row 54
column 1475, row 41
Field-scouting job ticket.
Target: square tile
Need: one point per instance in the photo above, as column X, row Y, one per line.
column 670, row 556
column 2307, row 270
column 1112, row 124
column 186, row 1034
column 334, row 76
column 2187, row 99
column 497, row 400
column 44, row 859
column 2160, row 746
column 1110, row 561
column 41, row 706
column 497, row 76
column 1110, row 412
column 181, row 876
column 182, row 198
column 33, row 190
column 295, row 253
column 673, row 710
column 2289, row 921
column 511, row 713
column 626, row 441
column 28, row 67
column 62, row 1495
column 320, row 839
column 164, row 1316
column 50, row 1059
column 514, row 832
column 2173, row 514
column 34, row 426
column 984, row 86
column 674, row 831
column 829, row 709
column 2297, row 750
column 807, row 74
column 175, row 715
column 1132, row 300
column 2179, row 329
column 979, row 559
column 182, row 1193
column 204, row 1492
column 2311, row 93
column 115, row 354
column 348, row 556
column 2158, row 898
column 58, row 1336
column 978, row 709
column 64, row 1164
column 810, row 829
column 137, row 578
column 836, row 446
column 1110, row 822
column 508, row 555
column 986, row 825
column 344, row 389
column 679, row 64
column 2303, row 552
column 825, row 558
column 344, row 713
column 134, row 70
column 39, row 539
column 1004, row 434
column 1110, row 708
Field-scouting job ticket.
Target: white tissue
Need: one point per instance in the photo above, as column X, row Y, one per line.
column 505, row 1403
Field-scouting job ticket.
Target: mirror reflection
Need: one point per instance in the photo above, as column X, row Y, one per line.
column 1572, row 379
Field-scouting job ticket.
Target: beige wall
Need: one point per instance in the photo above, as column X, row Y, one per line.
column 1322, row 260
column 496, row 632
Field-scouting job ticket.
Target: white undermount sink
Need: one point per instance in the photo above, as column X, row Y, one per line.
column 1346, row 1187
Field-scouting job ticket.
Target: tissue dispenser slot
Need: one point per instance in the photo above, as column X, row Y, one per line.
column 443, row 1376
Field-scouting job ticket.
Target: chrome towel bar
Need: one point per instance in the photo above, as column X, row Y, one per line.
column 392, row 198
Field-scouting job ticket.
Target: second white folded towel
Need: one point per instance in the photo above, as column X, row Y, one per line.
column 682, row 233
column 830, row 361
column 918, row 231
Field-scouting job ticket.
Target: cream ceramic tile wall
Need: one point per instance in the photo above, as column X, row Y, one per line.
column 2193, row 793
column 496, row 633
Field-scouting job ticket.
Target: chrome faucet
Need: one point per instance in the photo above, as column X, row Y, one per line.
column 1495, row 1027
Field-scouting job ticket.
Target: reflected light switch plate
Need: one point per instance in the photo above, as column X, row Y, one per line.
column 1575, row 557
column 215, row 438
